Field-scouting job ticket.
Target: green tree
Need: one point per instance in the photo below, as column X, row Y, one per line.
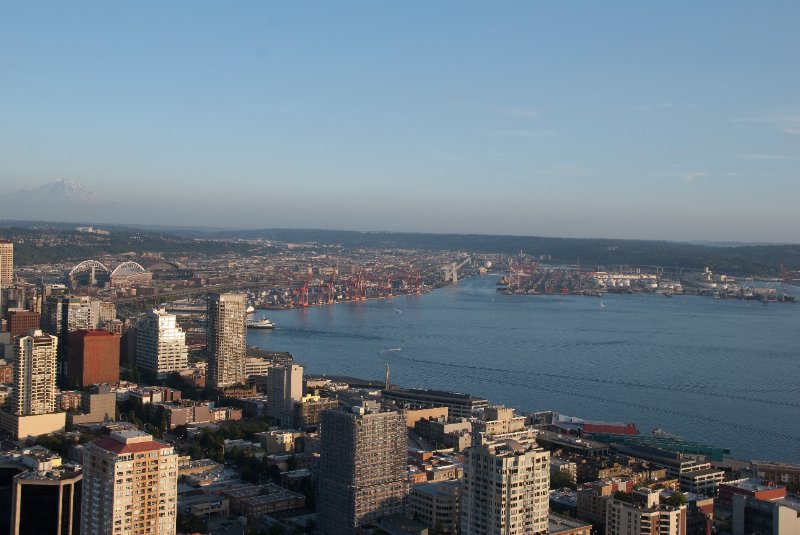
column 622, row 496
column 676, row 499
column 561, row 479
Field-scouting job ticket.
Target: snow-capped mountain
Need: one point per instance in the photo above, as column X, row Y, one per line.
column 57, row 191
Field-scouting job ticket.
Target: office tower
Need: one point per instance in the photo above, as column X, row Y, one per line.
column 363, row 467
column 92, row 358
column 506, row 486
column 46, row 498
column 32, row 406
column 284, row 389
column 6, row 263
column 161, row 343
column 130, row 486
column 21, row 322
column 34, row 374
column 225, row 332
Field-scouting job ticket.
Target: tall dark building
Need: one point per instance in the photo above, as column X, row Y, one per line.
column 46, row 499
column 92, row 358
column 226, row 337
column 363, row 467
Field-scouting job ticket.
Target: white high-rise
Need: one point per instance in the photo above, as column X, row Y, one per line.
column 284, row 389
column 161, row 343
column 506, row 486
column 34, row 374
column 130, row 486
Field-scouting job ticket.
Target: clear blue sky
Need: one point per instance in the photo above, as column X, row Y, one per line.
column 675, row 120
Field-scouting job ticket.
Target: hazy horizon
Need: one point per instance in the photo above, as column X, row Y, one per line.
column 676, row 122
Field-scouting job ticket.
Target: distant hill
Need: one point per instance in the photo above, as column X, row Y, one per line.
column 751, row 259
column 760, row 260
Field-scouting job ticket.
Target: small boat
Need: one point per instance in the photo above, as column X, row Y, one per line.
column 250, row 310
column 260, row 324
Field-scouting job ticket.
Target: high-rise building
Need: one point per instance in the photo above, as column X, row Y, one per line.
column 34, row 374
column 47, row 497
column 226, row 336
column 363, row 467
column 92, row 358
column 506, row 486
column 21, row 322
column 161, row 343
column 284, row 389
column 32, row 407
column 130, row 486
column 65, row 314
column 6, row 262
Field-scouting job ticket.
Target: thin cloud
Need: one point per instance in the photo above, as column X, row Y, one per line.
column 663, row 106
column 446, row 156
column 686, row 176
column 528, row 133
column 771, row 157
column 788, row 123
column 522, row 112
column 525, row 113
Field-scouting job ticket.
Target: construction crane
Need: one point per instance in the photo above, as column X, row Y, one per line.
column 328, row 287
column 301, row 293
column 385, row 286
column 356, row 287
column 451, row 270
column 518, row 272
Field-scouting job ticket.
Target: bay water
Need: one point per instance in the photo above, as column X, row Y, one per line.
column 719, row 372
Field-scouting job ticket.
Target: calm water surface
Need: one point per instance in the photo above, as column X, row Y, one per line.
column 721, row 372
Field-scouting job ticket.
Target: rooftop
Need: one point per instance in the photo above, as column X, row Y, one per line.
column 65, row 471
column 130, row 441
column 560, row 523
column 432, row 393
column 751, row 485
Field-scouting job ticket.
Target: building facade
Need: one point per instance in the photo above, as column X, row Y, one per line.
column 284, row 389
column 506, row 486
column 436, row 504
column 226, row 339
column 644, row 515
column 130, row 486
column 6, row 263
column 47, row 498
column 22, row 322
column 34, row 374
column 363, row 467
column 92, row 358
column 161, row 343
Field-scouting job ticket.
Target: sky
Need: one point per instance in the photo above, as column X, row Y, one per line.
column 656, row 120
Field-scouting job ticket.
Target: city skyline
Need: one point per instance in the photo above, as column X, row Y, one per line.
column 674, row 122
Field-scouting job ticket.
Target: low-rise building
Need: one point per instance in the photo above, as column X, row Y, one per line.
column 308, row 411
column 459, row 405
column 440, row 432
column 436, row 505
column 757, row 488
column 625, row 518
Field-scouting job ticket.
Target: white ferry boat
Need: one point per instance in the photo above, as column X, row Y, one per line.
column 260, row 324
